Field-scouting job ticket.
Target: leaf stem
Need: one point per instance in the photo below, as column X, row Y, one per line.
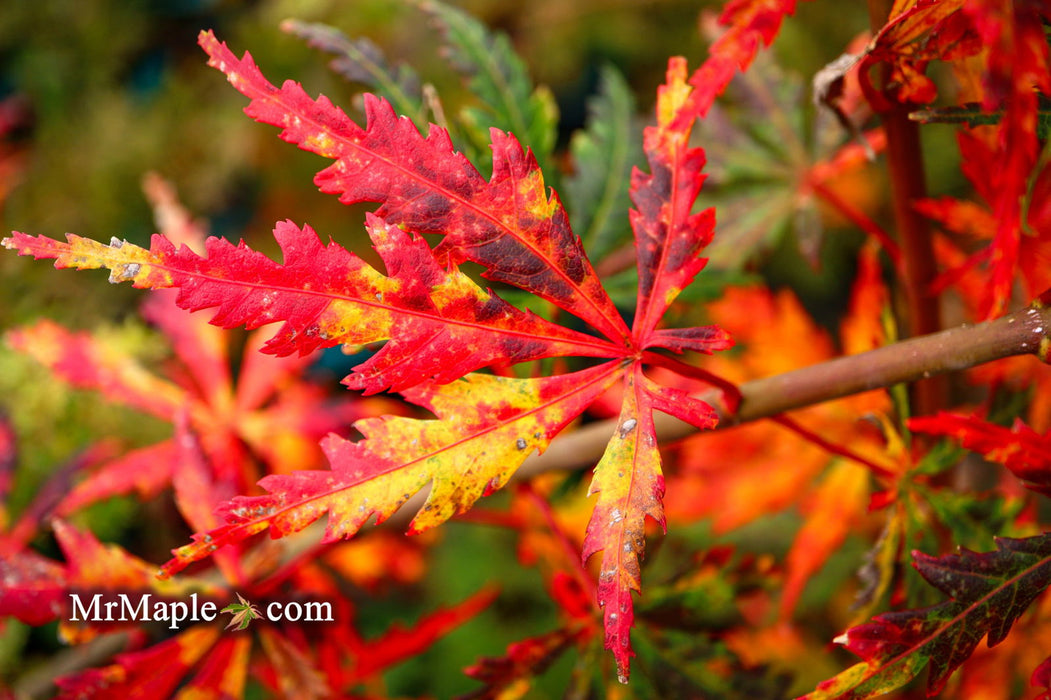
column 860, row 219
column 830, row 447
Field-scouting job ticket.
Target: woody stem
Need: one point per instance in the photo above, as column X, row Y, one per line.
column 1020, row 333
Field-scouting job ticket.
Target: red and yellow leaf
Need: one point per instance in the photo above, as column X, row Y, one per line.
column 36, row 589
column 917, row 32
column 85, row 362
column 510, row 224
column 326, row 295
column 485, row 429
column 222, row 673
column 1019, row 67
column 668, row 236
column 292, row 673
column 749, row 23
column 151, row 673
column 630, row 486
column 1018, row 248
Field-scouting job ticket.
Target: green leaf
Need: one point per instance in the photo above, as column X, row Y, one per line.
column 603, row 155
column 361, row 61
column 498, row 77
column 972, row 114
column 243, row 613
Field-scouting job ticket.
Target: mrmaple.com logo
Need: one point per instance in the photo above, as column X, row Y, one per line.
column 139, row 607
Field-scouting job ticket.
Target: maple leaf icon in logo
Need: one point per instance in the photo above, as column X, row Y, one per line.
column 243, row 613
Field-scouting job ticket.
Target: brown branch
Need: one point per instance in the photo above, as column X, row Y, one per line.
column 1021, row 333
column 39, row 681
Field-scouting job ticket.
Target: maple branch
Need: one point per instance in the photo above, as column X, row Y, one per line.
column 1024, row 332
column 39, row 682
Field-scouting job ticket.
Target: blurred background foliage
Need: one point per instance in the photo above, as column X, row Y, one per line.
column 101, row 91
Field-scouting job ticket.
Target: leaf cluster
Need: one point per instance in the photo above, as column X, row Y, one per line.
column 493, row 325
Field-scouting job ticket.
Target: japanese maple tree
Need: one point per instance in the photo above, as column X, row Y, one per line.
column 557, row 343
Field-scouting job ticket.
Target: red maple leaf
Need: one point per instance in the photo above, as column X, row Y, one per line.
column 749, row 23
column 319, row 660
column 1019, row 448
column 439, row 326
column 988, row 592
column 266, row 418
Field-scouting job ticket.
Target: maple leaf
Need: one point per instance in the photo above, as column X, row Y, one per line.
column 242, row 613
column 154, row 672
column 1017, row 71
column 1019, row 65
column 439, row 326
column 749, row 23
column 253, row 415
column 1019, row 448
column 265, row 416
column 776, row 173
column 38, row 590
column 833, row 461
column 918, row 32
column 1020, row 254
column 988, row 592
column 485, row 429
column 509, row 225
column 327, row 296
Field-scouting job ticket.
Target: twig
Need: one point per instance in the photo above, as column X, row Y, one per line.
column 1020, row 333
column 38, row 682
